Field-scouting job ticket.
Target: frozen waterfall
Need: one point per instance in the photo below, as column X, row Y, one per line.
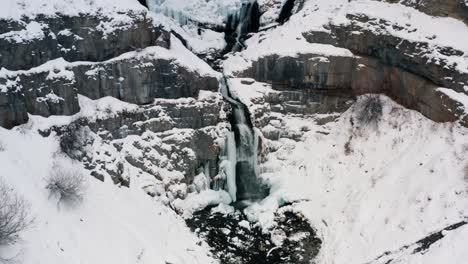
column 239, row 153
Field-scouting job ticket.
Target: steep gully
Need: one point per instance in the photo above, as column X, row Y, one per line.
column 240, row 166
column 232, row 237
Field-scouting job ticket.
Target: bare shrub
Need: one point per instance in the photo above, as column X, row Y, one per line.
column 14, row 215
column 73, row 140
column 369, row 109
column 2, row 148
column 465, row 170
column 347, row 147
column 66, row 185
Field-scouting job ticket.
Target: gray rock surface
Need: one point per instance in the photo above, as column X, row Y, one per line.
column 52, row 89
column 445, row 8
column 312, row 83
column 76, row 38
column 159, row 139
column 414, row 57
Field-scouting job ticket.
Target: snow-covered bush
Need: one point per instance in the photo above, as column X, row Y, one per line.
column 73, row 140
column 369, row 109
column 2, row 148
column 66, row 185
column 14, row 215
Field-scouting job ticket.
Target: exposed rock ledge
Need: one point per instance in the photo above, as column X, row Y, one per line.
column 135, row 77
column 411, row 72
column 31, row 42
column 328, row 78
column 452, row 8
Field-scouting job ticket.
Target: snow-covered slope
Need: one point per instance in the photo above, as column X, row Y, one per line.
column 111, row 225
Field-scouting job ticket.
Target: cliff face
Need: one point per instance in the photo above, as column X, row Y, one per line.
column 48, row 60
column 170, row 117
column 450, row 8
column 388, row 52
column 33, row 41
column 121, row 92
column 88, row 55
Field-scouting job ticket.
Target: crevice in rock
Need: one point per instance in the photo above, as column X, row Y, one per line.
column 240, row 24
column 418, row 247
column 286, row 11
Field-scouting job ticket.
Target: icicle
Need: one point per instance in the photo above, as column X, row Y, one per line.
column 230, row 166
column 206, row 170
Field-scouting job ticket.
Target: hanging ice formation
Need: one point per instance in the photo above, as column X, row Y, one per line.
column 240, row 24
column 238, row 166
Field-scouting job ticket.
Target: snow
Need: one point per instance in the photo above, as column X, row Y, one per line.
column 401, row 180
column 194, row 202
column 16, row 9
column 103, row 108
column 446, row 249
column 223, row 209
column 283, row 42
column 458, row 97
column 61, row 69
column 114, row 14
column 33, row 30
column 111, row 225
column 202, row 11
column 57, row 69
column 316, row 15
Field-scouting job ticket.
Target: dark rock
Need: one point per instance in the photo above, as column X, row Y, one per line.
column 446, row 8
column 411, row 56
column 80, row 38
column 319, row 84
column 292, row 241
column 13, row 110
column 52, row 88
column 140, row 80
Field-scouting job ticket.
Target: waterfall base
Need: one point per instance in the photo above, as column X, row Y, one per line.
column 236, row 241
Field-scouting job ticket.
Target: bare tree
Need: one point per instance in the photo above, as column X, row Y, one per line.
column 14, row 215
column 68, row 186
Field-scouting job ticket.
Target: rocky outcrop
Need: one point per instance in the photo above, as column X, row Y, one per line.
column 168, row 140
column 312, row 83
column 52, row 89
column 140, row 80
column 31, row 42
column 409, row 71
column 446, row 8
column 368, row 37
column 13, row 110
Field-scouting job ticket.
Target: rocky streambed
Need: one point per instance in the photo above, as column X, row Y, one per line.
column 235, row 240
